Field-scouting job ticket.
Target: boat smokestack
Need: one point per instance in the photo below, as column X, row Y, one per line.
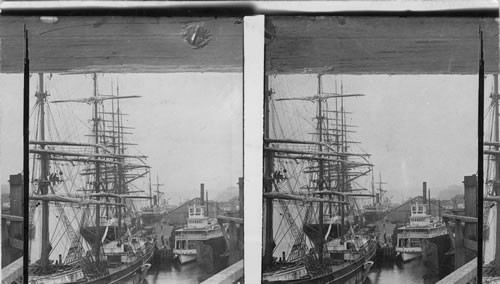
column 429, row 197
column 202, row 194
column 377, row 197
column 424, row 192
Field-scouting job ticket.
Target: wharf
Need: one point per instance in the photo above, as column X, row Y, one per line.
column 384, row 231
column 161, row 233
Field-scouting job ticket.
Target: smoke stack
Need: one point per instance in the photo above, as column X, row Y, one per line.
column 378, row 197
column 202, row 194
column 429, row 197
column 424, row 195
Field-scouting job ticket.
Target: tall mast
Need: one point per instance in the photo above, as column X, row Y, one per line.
column 321, row 168
column 150, row 192
column 106, row 168
column 373, row 189
column 119, row 149
column 343, row 126
column 380, row 190
column 268, row 180
column 158, row 184
column 97, row 167
column 44, row 182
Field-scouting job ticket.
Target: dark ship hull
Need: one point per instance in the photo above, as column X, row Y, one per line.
column 150, row 219
column 134, row 273
column 434, row 254
column 372, row 217
column 210, row 255
column 351, row 273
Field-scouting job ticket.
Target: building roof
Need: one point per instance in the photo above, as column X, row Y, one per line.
column 418, row 198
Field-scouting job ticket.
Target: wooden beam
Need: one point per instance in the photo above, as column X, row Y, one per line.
column 227, row 219
column 113, row 44
column 12, row 272
column 466, row 274
column 470, row 244
column 465, row 219
column 12, row 218
column 380, row 45
column 15, row 243
column 230, row 275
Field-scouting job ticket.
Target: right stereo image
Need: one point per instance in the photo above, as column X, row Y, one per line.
column 381, row 138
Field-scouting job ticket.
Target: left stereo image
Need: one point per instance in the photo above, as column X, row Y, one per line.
column 133, row 151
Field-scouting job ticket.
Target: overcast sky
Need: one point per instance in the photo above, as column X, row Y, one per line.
column 189, row 125
column 416, row 127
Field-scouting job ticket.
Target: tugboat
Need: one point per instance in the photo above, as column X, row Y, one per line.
column 422, row 228
column 199, row 228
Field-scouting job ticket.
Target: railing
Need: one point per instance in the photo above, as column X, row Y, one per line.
column 465, row 274
column 232, row 274
column 460, row 241
column 422, row 235
column 13, row 273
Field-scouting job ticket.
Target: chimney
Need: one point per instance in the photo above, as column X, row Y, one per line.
column 424, row 195
column 202, row 194
column 429, row 197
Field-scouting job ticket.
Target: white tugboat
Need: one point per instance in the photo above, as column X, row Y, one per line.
column 422, row 227
column 199, row 228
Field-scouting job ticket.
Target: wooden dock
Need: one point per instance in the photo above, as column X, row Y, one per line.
column 13, row 273
column 161, row 234
column 465, row 275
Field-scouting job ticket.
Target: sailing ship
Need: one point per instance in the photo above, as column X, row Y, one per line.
column 422, row 231
column 312, row 185
column 156, row 211
column 199, row 228
column 377, row 210
column 83, row 232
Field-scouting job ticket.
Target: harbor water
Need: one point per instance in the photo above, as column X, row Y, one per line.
column 413, row 272
column 173, row 273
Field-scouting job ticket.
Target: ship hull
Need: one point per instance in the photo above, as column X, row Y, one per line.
column 434, row 253
column 134, row 273
column 217, row 245
column 210, row 255
column 131, row 274
column 431, row 250
column 373, row 217
column 186, row 258
column 150, row 219
column 354, row 273
column 409, row 256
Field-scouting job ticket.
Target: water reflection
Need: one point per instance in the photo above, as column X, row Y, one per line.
column 173, row 273
column 412, row 272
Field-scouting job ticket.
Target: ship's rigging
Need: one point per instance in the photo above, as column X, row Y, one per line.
column 309, row 182
column 78, row 184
